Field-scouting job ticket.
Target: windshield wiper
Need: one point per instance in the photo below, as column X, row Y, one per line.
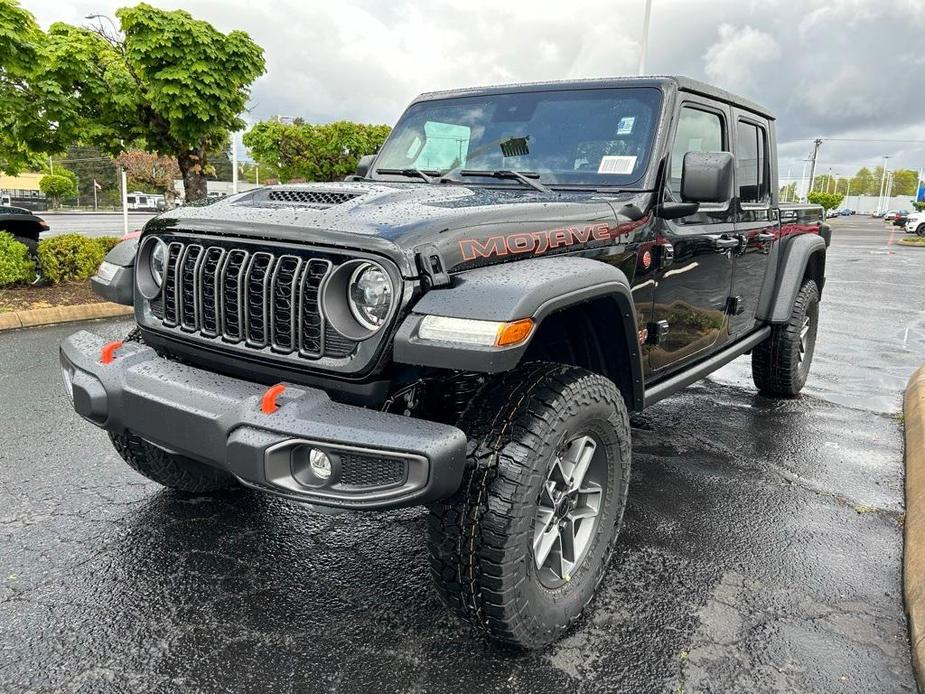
column 412, row 172
column 526, row 177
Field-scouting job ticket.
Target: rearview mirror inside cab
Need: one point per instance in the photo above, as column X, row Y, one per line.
column 707, row 177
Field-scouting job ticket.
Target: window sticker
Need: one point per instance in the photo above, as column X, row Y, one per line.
column 617, row 165
column 625, row 126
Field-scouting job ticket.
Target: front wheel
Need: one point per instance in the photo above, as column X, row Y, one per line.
column 780, row 364
column 920, row 230
column 519, row 550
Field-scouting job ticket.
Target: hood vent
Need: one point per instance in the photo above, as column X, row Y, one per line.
column 309, row 198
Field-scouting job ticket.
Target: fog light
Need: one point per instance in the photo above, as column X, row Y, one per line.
column 68, row 383
column 320, row 464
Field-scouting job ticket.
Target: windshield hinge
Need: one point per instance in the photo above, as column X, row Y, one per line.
column 430, row 264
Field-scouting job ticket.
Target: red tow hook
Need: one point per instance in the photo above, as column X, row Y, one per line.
column 107, row 353
column 268, row 401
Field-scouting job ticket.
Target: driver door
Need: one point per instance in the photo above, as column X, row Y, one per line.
column 692, row 289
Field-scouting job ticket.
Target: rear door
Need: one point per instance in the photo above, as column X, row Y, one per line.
column 756, row 219
column 692, row 289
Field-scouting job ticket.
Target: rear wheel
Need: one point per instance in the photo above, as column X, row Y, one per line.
column 780, row 364
column 519, row 550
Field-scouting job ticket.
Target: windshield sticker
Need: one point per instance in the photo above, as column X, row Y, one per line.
column 617, row 165
column 625, row 126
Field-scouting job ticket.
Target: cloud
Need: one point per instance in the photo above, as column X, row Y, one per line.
column 829, row 68
column 733, row 59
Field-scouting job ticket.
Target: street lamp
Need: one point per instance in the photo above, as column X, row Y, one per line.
column 644, row 43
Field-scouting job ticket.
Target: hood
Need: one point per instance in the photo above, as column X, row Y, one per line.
column 398, row 218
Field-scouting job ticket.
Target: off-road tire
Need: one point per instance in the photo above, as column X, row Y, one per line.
column 480, row 539
column 779, row 364
column 174, row 471
column 920, row 230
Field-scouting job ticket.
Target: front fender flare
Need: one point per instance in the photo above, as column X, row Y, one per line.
column 794, row 261
column 533, row 288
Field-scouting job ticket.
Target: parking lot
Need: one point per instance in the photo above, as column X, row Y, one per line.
column 92, row 223
column 761, row 549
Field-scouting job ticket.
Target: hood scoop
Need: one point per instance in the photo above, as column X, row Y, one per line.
column 318, row 199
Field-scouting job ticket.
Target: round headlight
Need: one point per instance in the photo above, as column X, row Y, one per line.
column 158, row 261
column 369, row 294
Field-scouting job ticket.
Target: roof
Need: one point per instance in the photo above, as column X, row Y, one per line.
column 682, row 83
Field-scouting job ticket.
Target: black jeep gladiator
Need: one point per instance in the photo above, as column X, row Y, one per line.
column 466, row 324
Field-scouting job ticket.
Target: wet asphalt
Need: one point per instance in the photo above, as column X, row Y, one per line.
column 761, row 550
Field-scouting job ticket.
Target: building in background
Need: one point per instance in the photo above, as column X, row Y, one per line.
column 24, row 191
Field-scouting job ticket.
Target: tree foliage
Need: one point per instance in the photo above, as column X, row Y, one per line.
column 310, row 152
column 151, row 171
column 828, row 200
column 58, row 185
column 167, row 82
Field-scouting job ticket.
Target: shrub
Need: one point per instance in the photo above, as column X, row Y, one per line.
column 16, row 267
column 70, row 257
column 107, row 242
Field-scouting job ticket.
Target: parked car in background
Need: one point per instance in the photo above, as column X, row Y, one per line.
column 831, row 213
column 23, row 225
column 915, row 223
column 891, row 215
column 901, row 217
column 846, row 212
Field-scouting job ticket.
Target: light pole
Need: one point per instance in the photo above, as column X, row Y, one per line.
column 234, row 162
column 644, row 43
column 882, row 185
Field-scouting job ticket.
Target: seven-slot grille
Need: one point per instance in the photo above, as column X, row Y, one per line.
column 256, row 298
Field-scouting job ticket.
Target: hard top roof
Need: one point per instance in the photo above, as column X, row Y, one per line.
column 682, row 83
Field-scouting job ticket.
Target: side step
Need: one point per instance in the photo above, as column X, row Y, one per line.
column 673, row 384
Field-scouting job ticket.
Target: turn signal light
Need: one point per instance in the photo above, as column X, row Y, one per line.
column 514, row 333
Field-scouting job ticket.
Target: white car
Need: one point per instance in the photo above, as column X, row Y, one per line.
column 915, row 223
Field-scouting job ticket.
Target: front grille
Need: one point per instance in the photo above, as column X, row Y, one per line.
column 362, row 471
column 311, row 197
column 256, row 298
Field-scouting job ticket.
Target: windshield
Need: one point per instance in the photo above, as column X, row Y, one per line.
column 595, row 137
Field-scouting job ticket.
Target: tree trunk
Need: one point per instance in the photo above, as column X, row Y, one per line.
column 192, row 163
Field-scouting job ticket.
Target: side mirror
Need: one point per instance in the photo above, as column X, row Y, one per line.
column 707, row 177
column 364, row 163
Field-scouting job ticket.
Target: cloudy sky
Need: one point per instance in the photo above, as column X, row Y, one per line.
column 847, row 69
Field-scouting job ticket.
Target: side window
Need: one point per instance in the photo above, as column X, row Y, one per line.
column 698, row 131
column 752, row 163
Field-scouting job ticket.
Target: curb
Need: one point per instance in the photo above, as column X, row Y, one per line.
column 907, row 244
column 61, row 314
column 914, row 541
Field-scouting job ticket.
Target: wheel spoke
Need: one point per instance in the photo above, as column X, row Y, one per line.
column 581, row 450
column 567, row 555
column 589, row 502
column 545, row 537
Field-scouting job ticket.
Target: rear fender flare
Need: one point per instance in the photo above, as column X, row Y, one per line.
column 795, row 258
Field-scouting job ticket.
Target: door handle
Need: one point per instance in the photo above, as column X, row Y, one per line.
column 765, row 238
column 724, row 243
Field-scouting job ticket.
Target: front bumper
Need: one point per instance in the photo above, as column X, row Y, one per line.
column 380, row 460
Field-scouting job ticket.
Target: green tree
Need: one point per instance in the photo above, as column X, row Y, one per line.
column 788, row 192
column 306, row 151
column 167, row 82
column 904, row 181
column 863, row 182
column 58, row 185
column 828, row 200
column 25, row 129
column 90, row 164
